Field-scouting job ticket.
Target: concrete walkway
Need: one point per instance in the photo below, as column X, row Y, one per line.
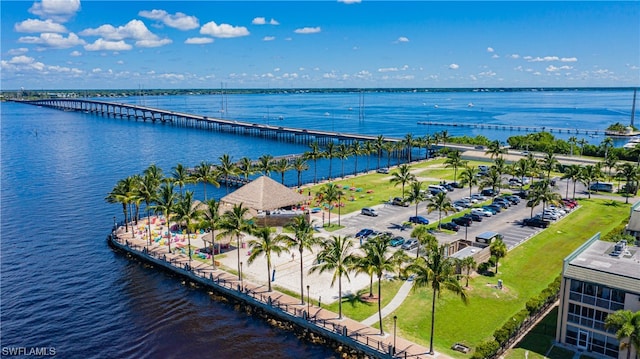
column 393, row 305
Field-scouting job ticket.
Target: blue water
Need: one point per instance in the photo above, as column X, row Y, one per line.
column 63, row 287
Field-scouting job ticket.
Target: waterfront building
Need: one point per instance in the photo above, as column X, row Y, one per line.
column 598, row 278
column 633, row 227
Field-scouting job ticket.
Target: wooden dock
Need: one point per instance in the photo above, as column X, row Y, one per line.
column 489, row 126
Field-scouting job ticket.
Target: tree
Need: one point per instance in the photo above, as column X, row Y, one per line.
column 610, row 162
column 180, row 176
column 498, row 250
column 356, row 149
column 582, row 142
column 541, row 192
column 299, row 165
column 330, row 153
column 631, row 176
column 493, row 180
column 343, row 153
column 399, row 260
column 454, row 160
column 549, row 163
column 377, row 254
column 408, row 142
column 212, row 215
column 403, row 176
column 416, row 194
column 522, row 169
column 437, row 271
column 265, row 165
column 378, row 144
column 227, row 169
column 187, row 212
column 205, row 173
column 331, row 192
column 368, row 150
column 335, row 256
column 122, row 193
column 388, row 148
column 590, row 174
column 315, row 154
column 606, row 145
column 424, row 237
column 469, row 176
column 233, row 224
column 572, row 172
column 303, row 238
column 495, row 149
column 246, row 167
column 266, row 244
column 166, row 204
column 281, row 166
column 148, row 191
column 468, row 264
column 441, row 203
column 573, row 140
column 627, row 326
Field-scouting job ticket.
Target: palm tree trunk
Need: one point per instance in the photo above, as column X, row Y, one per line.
column 433, row 321
column 149, row 222
column 301, row 278
column 340, row 296
column 315, row 171
column 574, row 189
column 380, row 306
column 269, row 274
column 189, row 243
column 238, row 242
column 213, row 249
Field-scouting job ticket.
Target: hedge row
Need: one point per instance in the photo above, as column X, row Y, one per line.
column 489, row 348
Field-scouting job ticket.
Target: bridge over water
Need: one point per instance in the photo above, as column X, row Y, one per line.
column 183, row 119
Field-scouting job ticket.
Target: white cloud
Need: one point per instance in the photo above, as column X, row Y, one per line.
column 403, row 39
column 542, row 59
column 96, row 70
column 75, row 53
column 134, row 29
column 350, row 1
column 35, row 25
column 495, row 56
column 388, row 69
column 18, row 51
column 153, row 42
column 552, row 68
column 101, row 44
column 178, row 20
column 120, row 62
column 490, row 49
column 514, row 56
column 454, row 66
column 22, row 63
column 52, row 40
column 268, row 38
column 198, row 40
column 273, row 22
column 223, row 30
column 330, row 75
column 57, row 10
column 568, row 59
column 308, row 30
column 259, row 21
column 21, row 60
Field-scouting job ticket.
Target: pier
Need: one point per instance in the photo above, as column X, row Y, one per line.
column 576, row 131
column 183, row 119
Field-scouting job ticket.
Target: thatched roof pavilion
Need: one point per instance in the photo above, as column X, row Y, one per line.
column 264, row 194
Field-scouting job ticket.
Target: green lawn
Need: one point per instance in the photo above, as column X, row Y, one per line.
column 538, row 341
column 525, row 272
column 359, row 310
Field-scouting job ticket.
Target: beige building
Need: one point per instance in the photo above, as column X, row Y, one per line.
column 597, row 279
column 633, row 227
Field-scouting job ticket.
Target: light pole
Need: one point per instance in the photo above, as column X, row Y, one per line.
column 339, row 205
column 308, row 303
column 395, row 320
column 241, row 284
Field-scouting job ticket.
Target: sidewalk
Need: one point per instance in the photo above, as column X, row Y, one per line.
column 403, row 292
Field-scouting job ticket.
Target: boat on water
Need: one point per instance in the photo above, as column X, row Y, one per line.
column 626, row 131
column 632, row 142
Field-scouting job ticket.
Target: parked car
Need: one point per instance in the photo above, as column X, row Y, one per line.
column 494, row 207
column 458, row 208
column 410, row 244
column 474, row 217
column 481, row 212
column 455, row 184
column 511, row 198
column 522, row 194
column 462, row 221
column 461, row 203
column 501, row 204
column 367, row 211
column 535, row 222
column 396, row 241
column 418, row 220
column 549, row 216
column 364, row 233
column 483, row 168
column 397, row 201
column 448, row 187
column 478, row 197
column 514, row 182
column 450, row 226
column 488, row 192
column 383, row 170
column 469, row 199
column 503, row 200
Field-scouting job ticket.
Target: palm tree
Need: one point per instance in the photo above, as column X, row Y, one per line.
column 343, row 153
column 428, row 142
column 549, row 162
column 388, row 148
column 606, row 145
column 582, row 142
column 468, row 264
column 227, row 169
column 493, row 180
column 409, row 142
column 331, row 192
column 246, row 167
column 185, row 211
column 437, row 271
column 265, row 165
column 356, row 149
column 468, row 176
column 627, row 326
column 495, row 149
column 315, row 154
column 631, row 176
column 403, row 176
column 500, row 165
column 400, row 259
column 610, row 162
column 522, row 169
column 416, row 194
column 573, row 140
column 378, row 144
column 299, row 165
column 122, row 193
column 444, row 136
column 441, row 203
column 498, row 250
column 266, row 244
column 135, row 199
column 281, row 166
column 330, row 153
column 180, row 176
column 369, row 148
column 212, row 215
column 205, row 173
column 166, row 204
column 590, row 174
column 233, row 224
column 154, row 172
column 572, row 172
column 148, row 191
column 541, row 192
column 378, row 256
column 304, row 238
column 421, row 233
column 335, row 256
column 454, row 159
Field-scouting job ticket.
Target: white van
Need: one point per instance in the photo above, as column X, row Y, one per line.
column 437, row 188
column 369, row 212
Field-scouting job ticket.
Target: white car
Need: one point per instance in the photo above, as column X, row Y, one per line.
column 470, row 199
column 548, row 216
column 481, row 212
column 478, row 197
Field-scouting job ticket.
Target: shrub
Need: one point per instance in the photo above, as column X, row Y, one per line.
column 486, row 349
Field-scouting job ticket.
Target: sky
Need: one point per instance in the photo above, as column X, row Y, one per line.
column 69, row 44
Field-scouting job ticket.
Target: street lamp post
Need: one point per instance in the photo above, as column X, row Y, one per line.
column 308, row 303
column 339, row 205
column 395, row 320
